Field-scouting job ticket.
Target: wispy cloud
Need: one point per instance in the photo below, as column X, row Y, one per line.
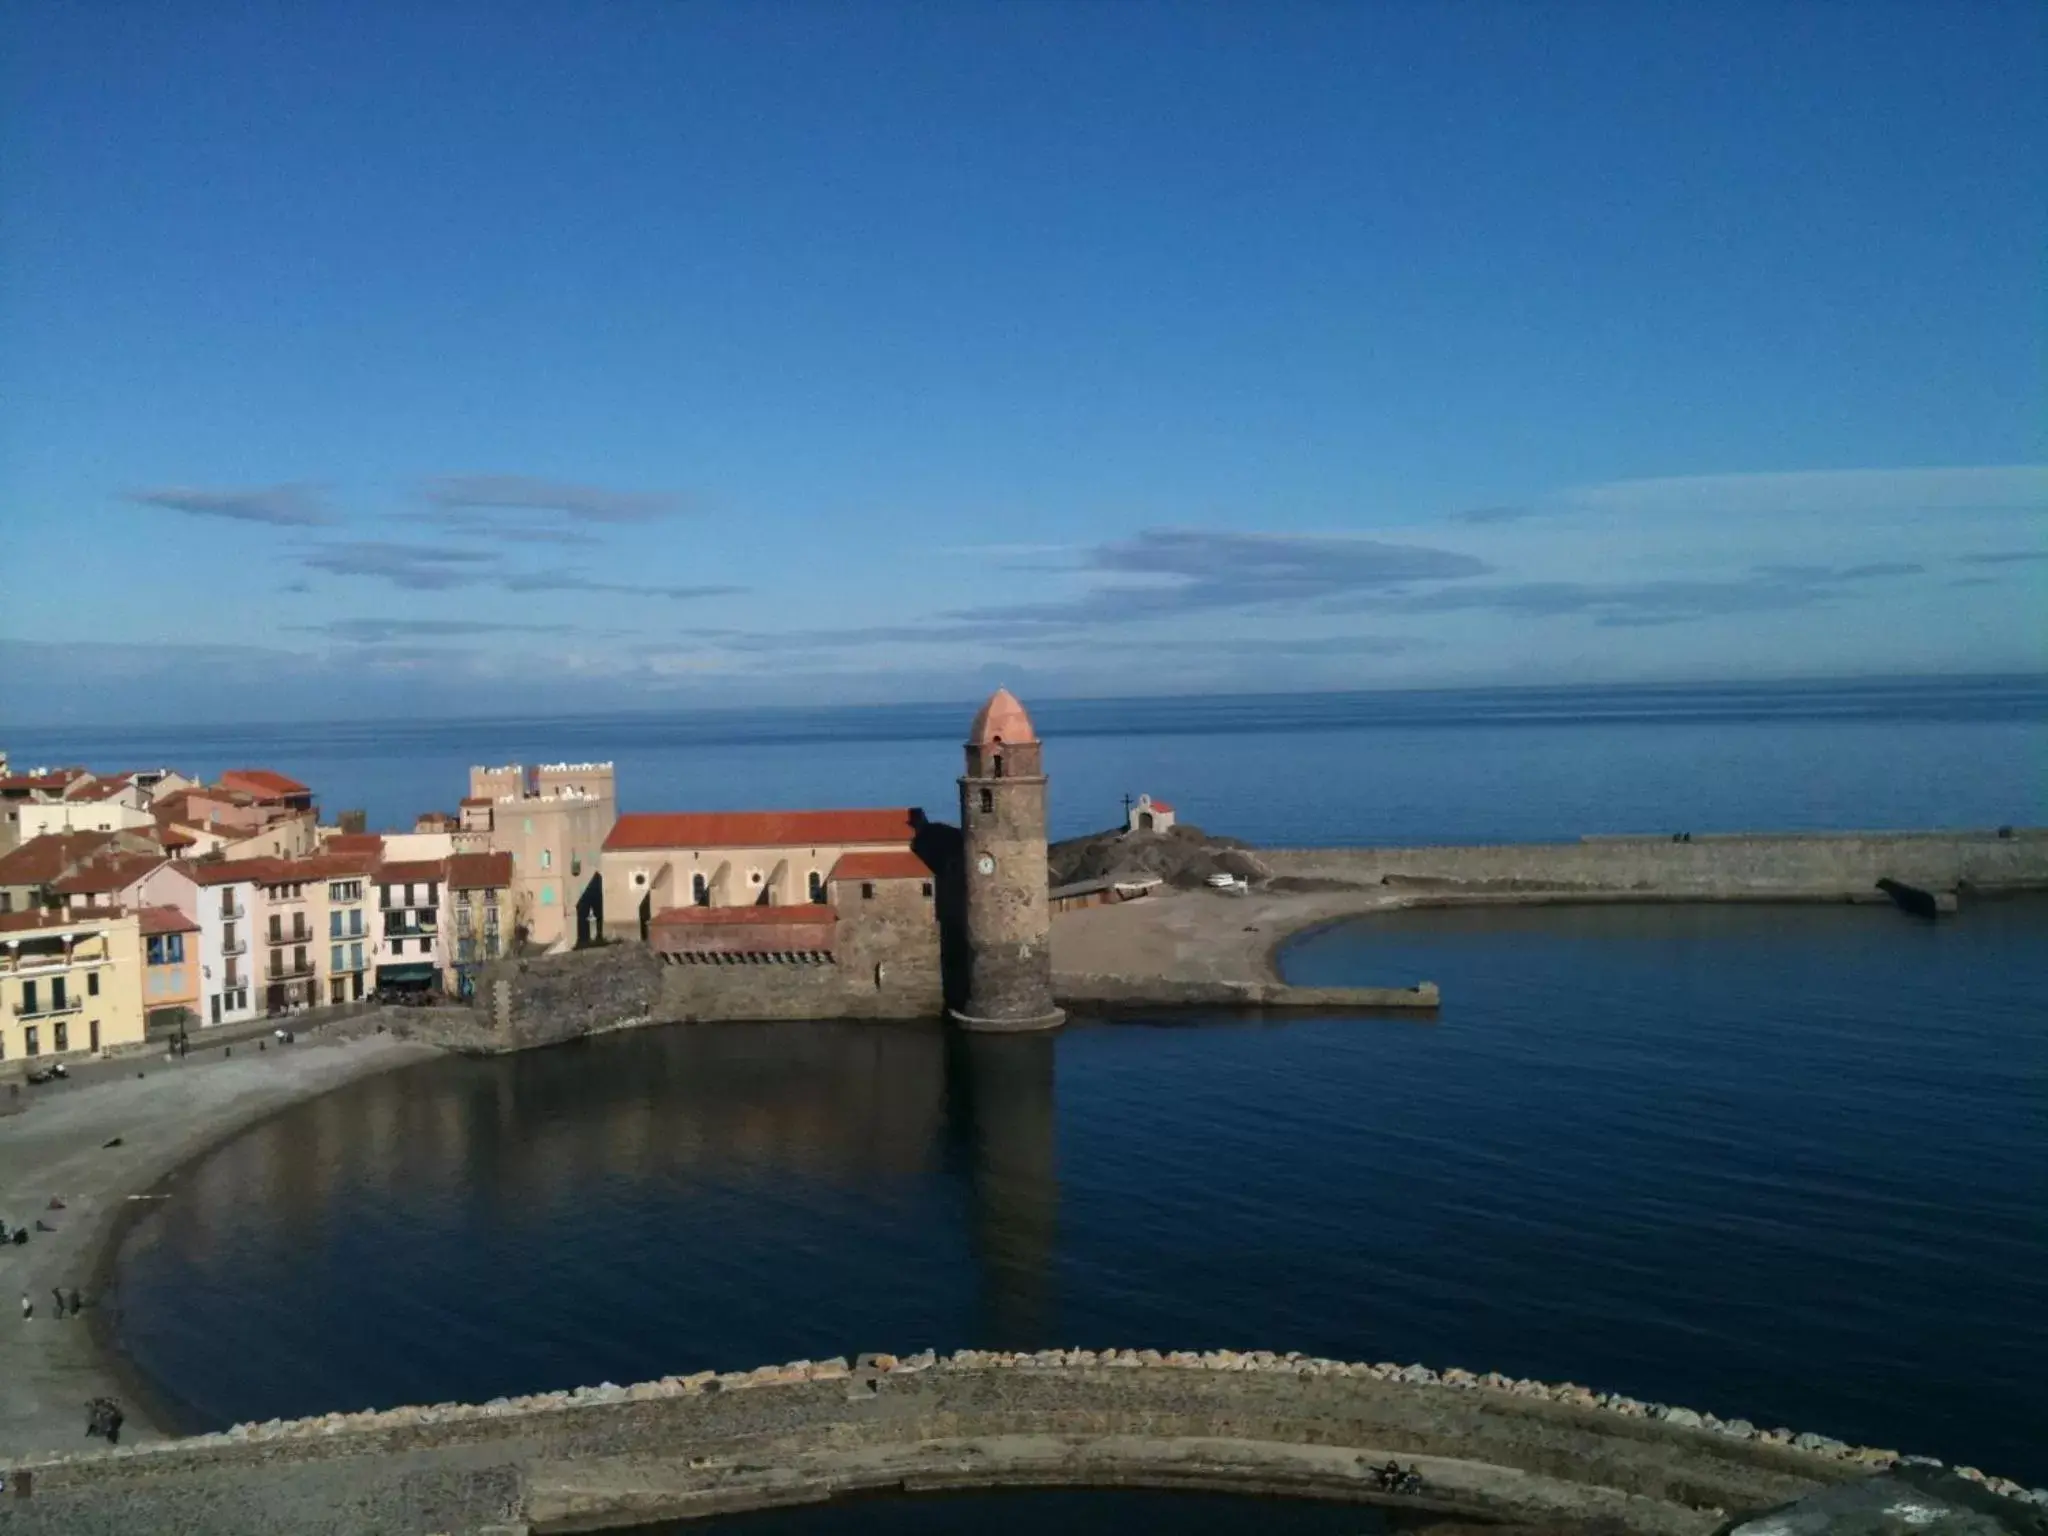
column 380, row 631
column 1189, row 570
column 1857, row 492
column 1483, row 516
column 281, row 506
column 524, row 493
column 416, row 567
column 570, row 581
column 2007, row 557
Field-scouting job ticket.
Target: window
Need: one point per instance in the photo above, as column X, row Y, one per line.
column 867, row 890
column 547, row 858
column 988, row 799
column 334, row 925
column 817, row 886
column 57, row 997
column 334, row 959
column 355, row 957
column 28, row 1002
column 95, row 1028
column 63, row 1034
column 529, row 823
column 92, row 983
column 926, row 889
column 276, row 928
column 31, row 1045
column 547, row 895
column 700, row 889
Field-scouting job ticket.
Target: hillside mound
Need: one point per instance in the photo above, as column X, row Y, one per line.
column 1184, row 856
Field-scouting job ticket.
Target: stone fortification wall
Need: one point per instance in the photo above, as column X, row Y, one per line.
column 1846, row 865
column 1488, row 1447
column 1110, row 994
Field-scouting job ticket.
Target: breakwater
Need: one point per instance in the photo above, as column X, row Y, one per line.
column 1115, row 994
column 1734, row 866
column 1488, row 1447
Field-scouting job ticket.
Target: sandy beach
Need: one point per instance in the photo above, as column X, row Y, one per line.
column 164, row 1113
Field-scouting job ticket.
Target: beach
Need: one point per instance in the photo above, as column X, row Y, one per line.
column 164, row 1114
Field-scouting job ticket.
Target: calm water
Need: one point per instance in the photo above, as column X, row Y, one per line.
column 1785, row 1163
column 1470, row 766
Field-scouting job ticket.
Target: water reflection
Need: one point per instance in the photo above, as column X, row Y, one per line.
column 1003, row 1098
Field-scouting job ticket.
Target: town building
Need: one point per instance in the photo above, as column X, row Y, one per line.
column 69, row 984
column 29, row 874
column 1149, row 815
column 226, row 907
column 553, row 820
column 37, row 786
column 170, row 968
column 409, row 930
column 657, row 861
column 480, row 892
column 88, row 804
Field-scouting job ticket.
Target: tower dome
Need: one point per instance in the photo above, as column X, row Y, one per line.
column 1002, row 719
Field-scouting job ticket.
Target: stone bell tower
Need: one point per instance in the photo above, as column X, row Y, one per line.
column 1009, row 918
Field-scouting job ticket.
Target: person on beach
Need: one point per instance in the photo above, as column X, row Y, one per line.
column 58, row 1292
column 28, row 1308
column 77, row 1301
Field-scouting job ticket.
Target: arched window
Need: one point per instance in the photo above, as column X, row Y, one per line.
column 817, row 887
column 700, row 889
column 1144, row 821
column 988, row 799
column 999, row 765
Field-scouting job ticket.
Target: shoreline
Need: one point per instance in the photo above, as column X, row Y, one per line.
column 56, row 1146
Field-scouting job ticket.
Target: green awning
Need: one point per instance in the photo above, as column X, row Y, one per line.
column 400, row 975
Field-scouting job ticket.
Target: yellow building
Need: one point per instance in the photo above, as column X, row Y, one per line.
column 70, row 984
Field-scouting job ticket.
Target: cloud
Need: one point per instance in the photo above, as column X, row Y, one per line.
column 1857, row 492
column 2006, row 557
column 281, row 506
column 1643, row 604
column 523, row 493
column 1480, row 516
column 1187, row 570
column 416, row 567
column 569, row 581
column 512, row 533
column 379, row 631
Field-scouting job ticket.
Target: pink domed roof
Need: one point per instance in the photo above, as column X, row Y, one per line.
column 1002, row 719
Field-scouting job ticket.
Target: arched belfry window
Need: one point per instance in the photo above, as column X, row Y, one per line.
column 988, row 799
column 700, row 889
column 999, row 757
column 817, row 886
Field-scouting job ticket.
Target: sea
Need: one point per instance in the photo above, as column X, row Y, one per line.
column 1787, row 1164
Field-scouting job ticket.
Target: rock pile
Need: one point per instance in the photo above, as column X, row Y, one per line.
column 1183, row 856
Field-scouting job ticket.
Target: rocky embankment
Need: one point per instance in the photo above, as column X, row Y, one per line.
column 1182, row 856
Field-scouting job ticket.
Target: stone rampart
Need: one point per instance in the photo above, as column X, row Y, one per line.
column 1112, row 994
column 1487, row 1447
column 1845, row 866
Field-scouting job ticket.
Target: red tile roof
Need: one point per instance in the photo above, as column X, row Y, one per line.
column 477, row 800
column 30, row 781
column 406, row 870
column 108, row 872
column 262, row 783
column 356, row 842
column 761, row 829
column 479, row 871
column 225, row 871
column 165, row 920
column 28, row 922
column 43, row 859
column 1002, row 719
column 719, row 917
column 896, row 864
column 1156, row 805
column 96, row 789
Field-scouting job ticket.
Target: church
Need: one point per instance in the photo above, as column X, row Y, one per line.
column 866, row 913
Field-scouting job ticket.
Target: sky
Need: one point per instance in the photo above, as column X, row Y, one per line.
column 392, row 359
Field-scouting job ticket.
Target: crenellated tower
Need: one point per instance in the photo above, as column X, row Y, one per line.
column 1008, row 915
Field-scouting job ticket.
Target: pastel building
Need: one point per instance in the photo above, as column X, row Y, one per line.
column 553, row 820
column 226, row 906
column 170, row 970
column 70, row 984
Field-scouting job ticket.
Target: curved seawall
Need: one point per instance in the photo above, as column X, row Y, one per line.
column 1487, row 1448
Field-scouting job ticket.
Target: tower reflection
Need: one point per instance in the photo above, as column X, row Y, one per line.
column 1000, row 1092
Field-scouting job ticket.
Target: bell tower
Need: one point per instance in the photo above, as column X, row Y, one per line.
column 1009, row 917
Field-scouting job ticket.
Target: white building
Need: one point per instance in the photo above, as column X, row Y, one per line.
column 227, row 907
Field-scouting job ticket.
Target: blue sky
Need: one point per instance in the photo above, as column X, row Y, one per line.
column 426, row 358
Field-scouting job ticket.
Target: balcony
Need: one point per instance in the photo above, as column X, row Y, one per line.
column 296, row 936
column 234, row 946
column 425, row 928
column 290, row 970
column 230, row 911
column 49, row 1010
